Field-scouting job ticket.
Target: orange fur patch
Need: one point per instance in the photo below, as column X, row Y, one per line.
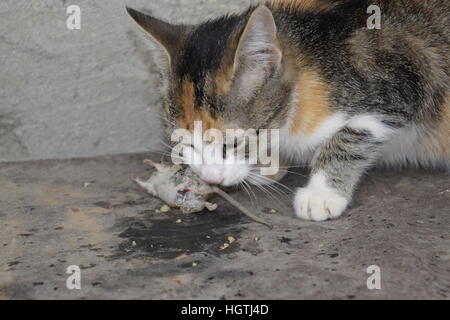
column 208, row 121
column 313, row 104
column 301, row 5
column 187, row 103
column 190, row 114
column 222, row 81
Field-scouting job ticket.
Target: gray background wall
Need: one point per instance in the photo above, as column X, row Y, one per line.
column 89, row 92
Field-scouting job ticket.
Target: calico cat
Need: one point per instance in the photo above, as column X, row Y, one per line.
column 345, row 97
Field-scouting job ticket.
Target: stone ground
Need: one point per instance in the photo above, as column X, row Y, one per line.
column 54, row 214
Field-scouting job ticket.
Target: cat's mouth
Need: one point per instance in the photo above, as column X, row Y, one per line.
column 223, row 175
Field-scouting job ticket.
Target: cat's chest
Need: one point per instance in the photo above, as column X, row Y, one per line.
column 310, row 119
column 300, row 147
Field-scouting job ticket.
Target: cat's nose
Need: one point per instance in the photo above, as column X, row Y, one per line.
column 212, row 175
column 216, row 182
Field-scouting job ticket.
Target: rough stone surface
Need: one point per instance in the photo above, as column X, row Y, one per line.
column 88, row 213
column 76, row 93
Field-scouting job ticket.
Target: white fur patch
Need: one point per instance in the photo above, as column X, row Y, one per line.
column 318, row 202
column 300, row 147
column 370, row 123
column 228, row 173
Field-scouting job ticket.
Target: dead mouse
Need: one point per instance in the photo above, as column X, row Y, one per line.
column 180, row 187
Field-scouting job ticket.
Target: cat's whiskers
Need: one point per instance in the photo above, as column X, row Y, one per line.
column 252, row 192
column 269, row 184
column 280, row 191
column 165, row 119
column 245, row 186
column 167, row 154
column 288, row 171
column 270, row 181
column 264, row 189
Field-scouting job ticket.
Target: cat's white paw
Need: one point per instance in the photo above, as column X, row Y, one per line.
column 318, row 205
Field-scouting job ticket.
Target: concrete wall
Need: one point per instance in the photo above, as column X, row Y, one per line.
column 77, row 93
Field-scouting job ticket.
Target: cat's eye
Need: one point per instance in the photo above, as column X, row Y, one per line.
column 187, row 148
column 229, row 148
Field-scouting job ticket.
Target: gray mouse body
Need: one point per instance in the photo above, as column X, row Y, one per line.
column 180, row 187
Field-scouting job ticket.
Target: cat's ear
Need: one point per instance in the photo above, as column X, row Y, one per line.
column 258, row 54
column 165, row 37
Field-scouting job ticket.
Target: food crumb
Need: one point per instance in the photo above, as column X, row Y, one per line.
column 178, row 221
column 165, row 208
column 194, row 264
column 273, row 211
column 231, row 239
column 224, row 246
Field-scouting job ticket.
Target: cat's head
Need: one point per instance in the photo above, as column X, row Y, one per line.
column 228, row 73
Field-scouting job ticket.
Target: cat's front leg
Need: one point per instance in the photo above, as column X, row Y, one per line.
column 336, row 169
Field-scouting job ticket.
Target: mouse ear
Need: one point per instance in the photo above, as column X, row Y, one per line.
column 166, row 36
column 157, row 166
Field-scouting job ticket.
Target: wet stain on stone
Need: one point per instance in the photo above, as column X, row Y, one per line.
column 103, row 204
column 125, row 204
column 285, row 240
column 130, row 203
column 160, row 236
column 37, row 284
column 144, row 212
column 88, row 246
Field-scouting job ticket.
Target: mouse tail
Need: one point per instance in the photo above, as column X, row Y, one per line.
column 243, row 209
